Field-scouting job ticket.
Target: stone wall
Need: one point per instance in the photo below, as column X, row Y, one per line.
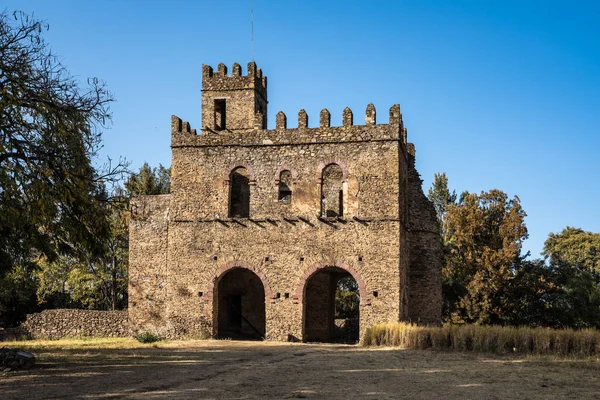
column 61, row 323
column 425, row 275
column 148, row 230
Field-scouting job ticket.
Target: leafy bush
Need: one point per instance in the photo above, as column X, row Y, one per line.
column 491, row 339
column 147, row 337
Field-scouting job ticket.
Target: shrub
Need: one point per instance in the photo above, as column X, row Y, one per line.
column 147, row 337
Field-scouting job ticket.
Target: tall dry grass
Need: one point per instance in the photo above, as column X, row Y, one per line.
column 491, row 339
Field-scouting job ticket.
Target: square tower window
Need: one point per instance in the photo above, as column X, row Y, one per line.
column 220, row 114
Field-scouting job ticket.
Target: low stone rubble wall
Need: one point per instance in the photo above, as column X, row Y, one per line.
column 61, row 323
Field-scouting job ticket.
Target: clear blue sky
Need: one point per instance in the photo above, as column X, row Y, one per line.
column 497, row 94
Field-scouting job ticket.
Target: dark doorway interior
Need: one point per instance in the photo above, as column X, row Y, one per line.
column 331, row 307
column 241, row 306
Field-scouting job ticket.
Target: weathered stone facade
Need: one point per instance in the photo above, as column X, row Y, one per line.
column 261, row 223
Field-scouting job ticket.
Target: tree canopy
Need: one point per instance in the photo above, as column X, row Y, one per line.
column 484, row 237
column 56, row 208
column 441, row 197
column 149, row 181
column 100, row 282
column 488, row 280
column 50, row 130
column 573, row 258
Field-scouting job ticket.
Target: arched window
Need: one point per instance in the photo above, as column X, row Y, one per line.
column 332, row 193
column 285, row 186
column 239, row 193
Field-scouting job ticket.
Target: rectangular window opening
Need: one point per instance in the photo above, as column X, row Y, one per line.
column 220, row 114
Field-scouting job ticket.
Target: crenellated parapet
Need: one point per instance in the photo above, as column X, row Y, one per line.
column 220, row 80
column 183, row 135
column 284, row 135
column 179, row 126
column 395, row 121
column 395, row 118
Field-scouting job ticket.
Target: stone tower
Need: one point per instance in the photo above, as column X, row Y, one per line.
column 262, row 224
column 233, row 103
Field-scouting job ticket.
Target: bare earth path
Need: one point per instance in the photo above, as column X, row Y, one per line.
column 254, row 370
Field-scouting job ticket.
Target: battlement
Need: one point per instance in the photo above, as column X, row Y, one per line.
column 179, row 126
column 182, row 135
column 395, row 118
column 219, row 80
column 237, row 103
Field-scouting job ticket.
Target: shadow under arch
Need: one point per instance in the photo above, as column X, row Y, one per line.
column 317, row 292
column 239, row 302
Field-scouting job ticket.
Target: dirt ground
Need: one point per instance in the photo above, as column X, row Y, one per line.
column 264, row 370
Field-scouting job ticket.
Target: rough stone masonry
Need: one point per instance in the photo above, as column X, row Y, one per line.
column 261, row 224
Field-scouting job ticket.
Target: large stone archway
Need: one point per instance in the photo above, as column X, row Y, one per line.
column 239, row 305
column 319, row 323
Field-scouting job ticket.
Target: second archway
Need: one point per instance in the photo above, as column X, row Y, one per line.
column 331, row 306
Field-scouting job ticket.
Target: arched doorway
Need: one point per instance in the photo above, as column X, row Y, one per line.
column 331, row 307
column 240, row 305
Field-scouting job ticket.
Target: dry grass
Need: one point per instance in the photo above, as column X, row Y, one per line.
column 489, row 339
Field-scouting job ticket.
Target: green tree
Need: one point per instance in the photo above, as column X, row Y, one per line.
column 347, row 298
column 17, row 295
column 575, row 248
column 484, row 236
column 95, row 281
column 573, row 256
column 530, row 296
column 441, row 197
column 49, row 132
column 100, row 281
column 149, row 181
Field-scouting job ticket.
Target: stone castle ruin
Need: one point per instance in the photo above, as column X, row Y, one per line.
column 261, row 224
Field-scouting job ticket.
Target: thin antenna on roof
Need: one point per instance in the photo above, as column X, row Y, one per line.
column 252, row 26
